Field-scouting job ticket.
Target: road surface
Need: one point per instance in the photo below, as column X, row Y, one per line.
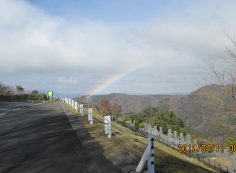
column 41, row 139
column 8, row 106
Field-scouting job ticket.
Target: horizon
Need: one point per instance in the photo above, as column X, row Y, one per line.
column 106, row 47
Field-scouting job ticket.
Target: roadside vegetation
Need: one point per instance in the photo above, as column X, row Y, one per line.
column 18, row 93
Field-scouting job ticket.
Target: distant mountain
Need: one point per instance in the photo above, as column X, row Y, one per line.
column 131, row 103
column 197, row 109
column 201, row 114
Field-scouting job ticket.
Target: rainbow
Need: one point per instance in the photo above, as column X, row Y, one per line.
column 104, row 84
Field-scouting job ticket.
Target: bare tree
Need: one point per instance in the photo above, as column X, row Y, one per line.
column 115, row 111
column 105, row 106
column 223, row 76
column 223, row 91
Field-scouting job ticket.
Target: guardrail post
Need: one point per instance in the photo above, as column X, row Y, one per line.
column 148, row 156
column 81, row 107
column 90, row 115
column 76, row 106
column 151, row 164
column 142, row 161
column 107, row 125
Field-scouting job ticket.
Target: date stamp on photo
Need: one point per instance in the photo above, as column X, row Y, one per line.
column 205, row 148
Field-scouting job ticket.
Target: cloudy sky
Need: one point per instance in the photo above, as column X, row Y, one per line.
column 71, row 46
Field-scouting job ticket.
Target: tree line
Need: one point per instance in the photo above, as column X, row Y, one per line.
column 157, row 117
column 18, row 93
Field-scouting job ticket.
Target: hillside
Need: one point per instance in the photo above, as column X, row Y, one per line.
column 197, row 109
column 131, row 103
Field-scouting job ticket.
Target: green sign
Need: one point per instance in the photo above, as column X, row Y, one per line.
column 50, row 93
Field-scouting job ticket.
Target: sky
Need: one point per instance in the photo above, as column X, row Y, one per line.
column 112, row 46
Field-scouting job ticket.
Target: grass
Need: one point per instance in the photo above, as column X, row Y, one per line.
column 126, row 141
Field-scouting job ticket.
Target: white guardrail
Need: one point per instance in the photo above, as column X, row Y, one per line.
column 147, row 159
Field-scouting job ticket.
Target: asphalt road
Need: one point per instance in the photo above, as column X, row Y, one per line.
column 6, row 106
column 41, row 139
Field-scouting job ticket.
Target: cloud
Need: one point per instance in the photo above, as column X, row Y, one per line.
column 67, row 81
column 36, row 43
column 42, row 43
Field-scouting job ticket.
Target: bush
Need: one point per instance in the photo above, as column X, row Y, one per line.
column 230, row 140
column 136, row 125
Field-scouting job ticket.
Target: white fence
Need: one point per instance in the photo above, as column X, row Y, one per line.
column 75, row 104
column 107, row 119
column 147, row 159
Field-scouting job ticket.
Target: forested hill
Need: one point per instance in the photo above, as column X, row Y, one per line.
column 199, row 110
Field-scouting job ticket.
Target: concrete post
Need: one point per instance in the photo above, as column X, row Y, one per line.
column 160, row 131
column 182, row 137
column 175, row 135
column 169, row 133
column 188, row 140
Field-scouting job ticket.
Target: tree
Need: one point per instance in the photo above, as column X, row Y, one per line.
column 160, row 117
column 20, row 89
column 223, row 76
column 105, row 106
column 6, row 90
column 35, row 92
column 8, row 93
column 168, row 120
column 115, row 110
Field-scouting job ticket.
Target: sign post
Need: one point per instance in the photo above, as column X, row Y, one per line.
column 50, row 95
